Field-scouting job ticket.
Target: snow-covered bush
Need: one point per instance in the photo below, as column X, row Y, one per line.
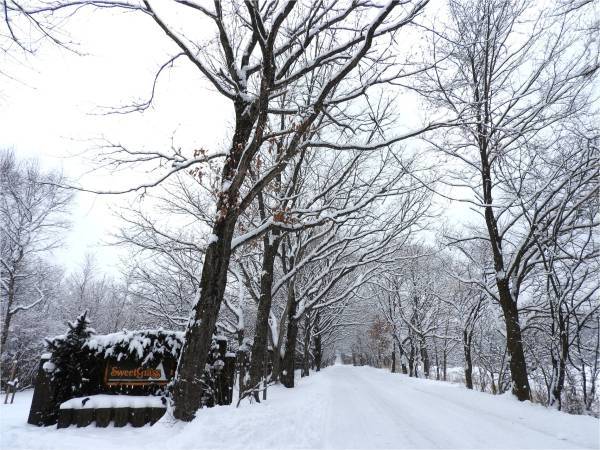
column 78, row 358
column 142, row 346
column 72, row 366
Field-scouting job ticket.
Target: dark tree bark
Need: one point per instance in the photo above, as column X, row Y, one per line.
column 401, row 357
column 514, row 343
column 288, row 363
column 590, row 399
column 259, row 346
column 425, row 359
column 559, row 362
column 305, row 365
column 318, row 345
column 277, row 361
column 7, row 315
column 411, row 361
column 186, row 391
column 306, row 354
column 445, row 365
column 437, row 360
column 467, row 337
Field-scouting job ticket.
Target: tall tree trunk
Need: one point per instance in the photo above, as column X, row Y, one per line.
column 318, row 345
column 7, row 315
column 279, row 346
column 425, row 359
column 445, row 364
column 468, row 361
column 514, row 343
column 275, row 373
column 186, row 390
column 437, row 360
column 559, row 364
column 261, row 331
column 305, row 364
column 411, row 360
column 445, row 353
column 306, row 342
column 288, row 363
column 401, row 358
column 594, row 375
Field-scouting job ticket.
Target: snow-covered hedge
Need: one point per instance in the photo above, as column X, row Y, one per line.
column 77, row 364
column 77, row 359
column 143, row 346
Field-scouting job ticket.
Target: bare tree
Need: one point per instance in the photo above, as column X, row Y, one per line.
column 468, row 303
column 567, row 285
column 32, row 218
column 513, row 74
column 260, row 53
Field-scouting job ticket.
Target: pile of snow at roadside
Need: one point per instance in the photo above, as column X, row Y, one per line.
column 340, row 407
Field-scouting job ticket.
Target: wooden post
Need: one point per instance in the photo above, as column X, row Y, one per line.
column 121, row 417
column 83, row 417
column 242, row 362
column 65, row 418
column 154, row 414
column 11, row 385
column 137, row 417
column 103, row 416
column 229, row 377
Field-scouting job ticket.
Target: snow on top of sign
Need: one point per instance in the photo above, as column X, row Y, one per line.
column 143, row 344
column 113, row 401
column 49, row 366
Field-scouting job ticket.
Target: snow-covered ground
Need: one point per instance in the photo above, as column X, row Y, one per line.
column 340, row 407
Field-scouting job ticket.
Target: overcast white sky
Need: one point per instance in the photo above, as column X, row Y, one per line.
column 51, row 113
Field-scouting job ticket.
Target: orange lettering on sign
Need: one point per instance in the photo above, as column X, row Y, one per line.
column 139, row 372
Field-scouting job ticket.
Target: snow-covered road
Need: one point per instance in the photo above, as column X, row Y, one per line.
column 340, row 407
column 380, row 410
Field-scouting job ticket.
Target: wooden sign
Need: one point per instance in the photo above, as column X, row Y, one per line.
column 134, row 363
column 118, row 373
